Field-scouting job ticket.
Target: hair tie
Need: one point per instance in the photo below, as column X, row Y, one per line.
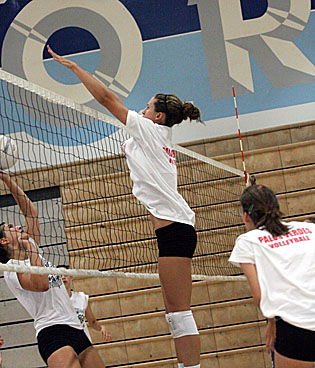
column 165, row 105
column 250, row 209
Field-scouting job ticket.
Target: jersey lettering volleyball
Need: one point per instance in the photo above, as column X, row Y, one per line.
column 152, row 163
column 285, row 269
column 294, row 236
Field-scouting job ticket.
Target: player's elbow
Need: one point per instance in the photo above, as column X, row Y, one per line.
column 106, row 99
column 257, row 300
column 42, row 288
column 45, row 287
column 41, row 285
column 93, row 322
column 101, row 99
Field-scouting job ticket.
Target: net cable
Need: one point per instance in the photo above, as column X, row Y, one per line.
column 70, row 163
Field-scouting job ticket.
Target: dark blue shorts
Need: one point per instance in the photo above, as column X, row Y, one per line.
column 294, row 342
column 176, row 240
column 55, row 337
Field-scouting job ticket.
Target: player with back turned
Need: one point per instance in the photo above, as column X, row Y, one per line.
column 278, row 260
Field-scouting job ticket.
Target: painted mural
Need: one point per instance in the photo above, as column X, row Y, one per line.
column 197, row 49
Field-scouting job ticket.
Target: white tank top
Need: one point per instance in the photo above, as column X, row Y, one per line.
column 152, row 163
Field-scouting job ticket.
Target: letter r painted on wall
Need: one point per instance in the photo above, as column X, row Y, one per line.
column 229, row 41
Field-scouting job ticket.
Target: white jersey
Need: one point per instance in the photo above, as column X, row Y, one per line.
column 286, row 271
column 152, row 163
column 80, row 301
column 47, row 308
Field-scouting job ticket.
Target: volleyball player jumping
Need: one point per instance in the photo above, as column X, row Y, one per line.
column 151, row 160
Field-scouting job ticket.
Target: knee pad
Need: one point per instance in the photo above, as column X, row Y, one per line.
column 181, row 323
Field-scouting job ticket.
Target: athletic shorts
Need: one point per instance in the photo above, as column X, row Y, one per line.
column 176, row 240
column 294, row 342
column 52, row 338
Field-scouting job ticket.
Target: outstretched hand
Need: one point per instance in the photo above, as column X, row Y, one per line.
column 270, row 335
column 105, row 334
column 98, row 90
column 61, row 60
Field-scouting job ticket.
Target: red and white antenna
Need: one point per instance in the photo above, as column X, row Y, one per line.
column 240, row 137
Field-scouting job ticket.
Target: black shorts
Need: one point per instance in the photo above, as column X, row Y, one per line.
column 294, row 342
column 176, row 240
column 52, row 338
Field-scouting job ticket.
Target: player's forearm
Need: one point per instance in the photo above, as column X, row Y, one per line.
column 95, row 325
column 98, row 90
column 39, row 282
column 250, row 272
column 34, row 257
column 25, row 204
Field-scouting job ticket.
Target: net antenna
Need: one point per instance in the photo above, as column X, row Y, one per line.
column 71, row 165
column 247, row 181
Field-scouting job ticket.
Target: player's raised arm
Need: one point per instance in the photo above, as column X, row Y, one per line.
column 32, row 282
column 98, row 90
column 26, row 206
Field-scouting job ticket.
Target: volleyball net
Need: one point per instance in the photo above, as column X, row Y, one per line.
column 71, row 165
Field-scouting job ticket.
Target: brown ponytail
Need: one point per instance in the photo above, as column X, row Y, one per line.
column 190, row 111
column 262, row 205
column 175, row 110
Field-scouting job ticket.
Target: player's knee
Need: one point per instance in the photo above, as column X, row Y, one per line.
column 182, row 323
